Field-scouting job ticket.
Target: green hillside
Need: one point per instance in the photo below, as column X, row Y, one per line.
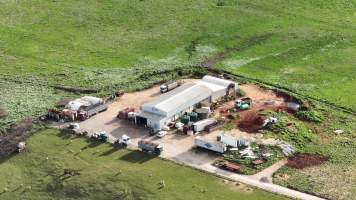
column 307, row 46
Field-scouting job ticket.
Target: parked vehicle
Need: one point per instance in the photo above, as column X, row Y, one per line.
column 161, row 134
column 153, row 132
column 123, row 141
column 244, row 103
column 170, row 85
column 103, row 136
column 200, row 125
column 124, row 114
column 87, row 113
column 73, row 126
column 54, row 114
column 210, row 145
column 214, row 126
column 150, row 147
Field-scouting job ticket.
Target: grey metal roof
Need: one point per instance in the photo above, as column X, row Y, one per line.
column 178, row 99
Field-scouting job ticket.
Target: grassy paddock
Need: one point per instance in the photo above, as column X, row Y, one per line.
column 105, row 173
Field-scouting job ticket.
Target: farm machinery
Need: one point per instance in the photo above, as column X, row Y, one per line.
column 102, row 136
column 243, row 104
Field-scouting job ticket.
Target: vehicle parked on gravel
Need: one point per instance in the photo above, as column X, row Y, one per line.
column 170, row 85
column 244, row 103
column 161, row 134
column 124, row 141
column 150, row 147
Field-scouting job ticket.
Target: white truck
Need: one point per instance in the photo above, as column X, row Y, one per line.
column 124, row 141
column 200, row 125
column 210, row 145
column 170, row 85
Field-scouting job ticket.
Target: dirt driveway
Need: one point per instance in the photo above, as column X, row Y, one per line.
column 179, row 147
column 176, row 146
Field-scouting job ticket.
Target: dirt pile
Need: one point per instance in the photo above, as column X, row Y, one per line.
column 251, row 121
column 302, row 161
column 17, row 133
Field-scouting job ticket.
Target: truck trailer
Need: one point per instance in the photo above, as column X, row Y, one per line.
column 200, row 125
column 170, row 85
column 150, row 147
column 210, row 145
column 93, row 110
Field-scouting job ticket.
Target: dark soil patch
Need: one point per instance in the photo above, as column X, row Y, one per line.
column 251, row 121
column 18, row 132
column 302, row 161
column 3, row 113
column 75, row 90
column 62, row 102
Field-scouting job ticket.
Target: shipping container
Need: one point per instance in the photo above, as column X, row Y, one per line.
column 210, row 145
column 228, row 140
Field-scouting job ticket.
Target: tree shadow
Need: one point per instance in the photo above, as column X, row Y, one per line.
column 137, row 157
column 92, row 143
column 112, row 150
column 67, row 134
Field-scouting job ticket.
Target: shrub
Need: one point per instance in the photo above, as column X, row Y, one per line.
column 240, row 93
column 226, row 3
column 228, row 127
column 292, row 131
column 3, row 113
column 220, row 3
column 312, row 116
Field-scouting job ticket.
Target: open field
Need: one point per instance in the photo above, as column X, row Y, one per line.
column 307, row 47
column 106, row 173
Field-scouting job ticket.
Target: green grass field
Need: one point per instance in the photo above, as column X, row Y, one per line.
column 307, row 47
column 335, row 178
column 106, row 173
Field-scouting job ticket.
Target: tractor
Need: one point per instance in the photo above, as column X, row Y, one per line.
column 243, row 104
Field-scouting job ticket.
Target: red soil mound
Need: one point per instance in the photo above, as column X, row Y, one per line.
column 251, row 122
column 301, row 161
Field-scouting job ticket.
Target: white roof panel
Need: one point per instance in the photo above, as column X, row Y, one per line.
column 217, row 81
column 185, row 96
column 178, row 100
